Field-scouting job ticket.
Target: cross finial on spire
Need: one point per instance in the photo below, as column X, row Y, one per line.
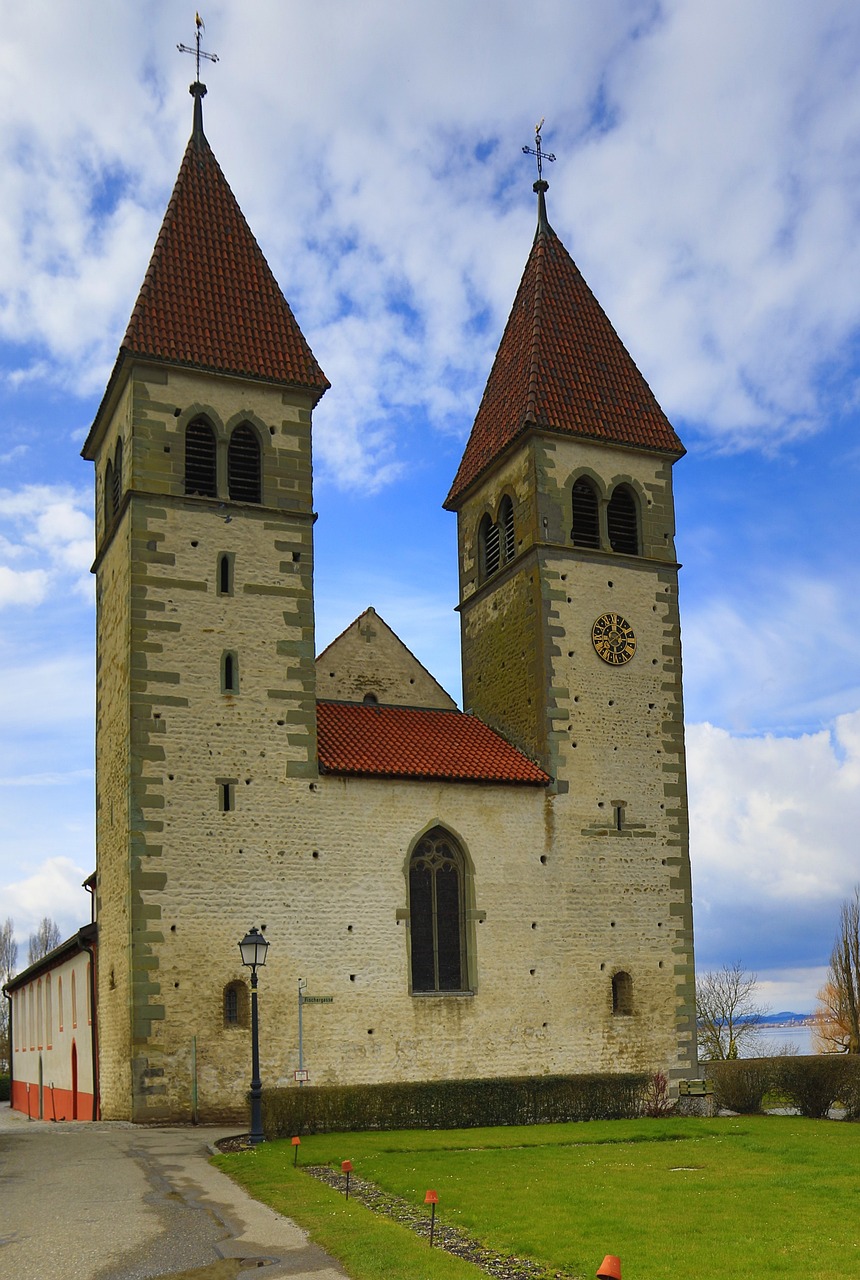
column 537, row 150
column 198, row 52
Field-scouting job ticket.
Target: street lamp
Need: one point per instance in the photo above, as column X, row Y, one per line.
column 253, row 948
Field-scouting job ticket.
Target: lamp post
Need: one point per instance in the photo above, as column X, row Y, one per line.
column 253, row 948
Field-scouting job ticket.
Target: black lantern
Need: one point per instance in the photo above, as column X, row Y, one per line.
column 253, row 948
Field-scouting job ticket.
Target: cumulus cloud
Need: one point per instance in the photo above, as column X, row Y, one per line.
column 706, row 182
column 51, row 889
column 773, row 825
column 46, row 541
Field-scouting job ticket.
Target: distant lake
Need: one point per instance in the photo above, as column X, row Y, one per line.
column 769, row 1041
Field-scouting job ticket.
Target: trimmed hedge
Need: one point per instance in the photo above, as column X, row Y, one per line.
column 5, row 1088
column 813, row 1083
column 452, row 1104
column 741, row 1083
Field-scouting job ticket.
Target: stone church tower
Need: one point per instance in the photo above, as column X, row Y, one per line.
column 502, row 892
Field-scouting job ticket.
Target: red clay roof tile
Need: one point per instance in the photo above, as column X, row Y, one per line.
column 560, row 367
column 209, row 298
column 410, row 742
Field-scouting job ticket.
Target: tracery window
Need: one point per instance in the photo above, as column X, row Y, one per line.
column 235, row 1005
column 200, row 466
column 622, row 519
column 243, row 465
column 586, row 515
column 436, row 914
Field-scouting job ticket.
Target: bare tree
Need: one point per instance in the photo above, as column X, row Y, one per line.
column 46, row 937
column 838, row 1012
column 728, row 1012
column 8, row 965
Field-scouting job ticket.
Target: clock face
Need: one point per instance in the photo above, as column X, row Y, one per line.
column 613, row 639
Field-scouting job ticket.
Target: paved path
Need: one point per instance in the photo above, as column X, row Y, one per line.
column 118, row 1202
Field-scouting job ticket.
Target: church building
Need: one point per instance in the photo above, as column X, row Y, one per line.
column 503, row 890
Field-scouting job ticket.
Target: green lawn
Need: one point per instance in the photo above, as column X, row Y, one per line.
column 758, row 1196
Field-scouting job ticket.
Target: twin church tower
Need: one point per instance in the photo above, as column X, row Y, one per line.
column 504, row 891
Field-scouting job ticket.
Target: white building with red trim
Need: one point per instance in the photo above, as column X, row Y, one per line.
column 54, row 1057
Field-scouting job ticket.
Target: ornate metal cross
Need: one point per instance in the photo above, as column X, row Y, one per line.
column 198, row 52
column 537, row 151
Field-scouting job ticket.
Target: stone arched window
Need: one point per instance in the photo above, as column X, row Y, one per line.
column 200, row 466
column 236, row 1004
column 586, row 515
column 436, row 914
column 622, row 519
column 243, row 465
column 622, row 993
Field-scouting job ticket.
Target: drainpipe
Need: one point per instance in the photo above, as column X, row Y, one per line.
column 93, row 1024
column 11, row 1054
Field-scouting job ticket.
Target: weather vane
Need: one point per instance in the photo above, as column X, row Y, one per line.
column 536, row 149
column 200, row 53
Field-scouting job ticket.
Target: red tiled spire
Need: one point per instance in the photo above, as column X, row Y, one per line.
column 411, row 742
column 209, row 298
column 560, row 367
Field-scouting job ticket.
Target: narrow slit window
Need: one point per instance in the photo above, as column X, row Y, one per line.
column 586, row 518
column 243, row 465
column 623, row 522
column 108, row 495
column 622, row 994
column 200, row 468
column 229, row 673
column 225, row 574
column 49, row 1013
column 227, row 796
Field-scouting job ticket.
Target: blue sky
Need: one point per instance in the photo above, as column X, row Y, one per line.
column 708, row 186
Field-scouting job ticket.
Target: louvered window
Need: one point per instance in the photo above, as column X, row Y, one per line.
column 586, row 518
column 506, row 527
column 200, row 472
column 622, row 522
column 108, row 495
column 243, row 465
column 117, row 477
column 490, row 544
column 436, row 915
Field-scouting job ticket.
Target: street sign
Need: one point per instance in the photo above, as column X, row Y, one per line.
column 301, row 1075
column 317, row 999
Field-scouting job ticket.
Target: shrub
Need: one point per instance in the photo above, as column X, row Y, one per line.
column 452, row 1104
column 657, row 1101
column 849, row 1094
column 814, row 1084
column 5, row 1088
column 741, row 1083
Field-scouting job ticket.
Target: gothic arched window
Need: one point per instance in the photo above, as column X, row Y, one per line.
column 622, row 993
column 436, row 913
column 243, row 465
column 200, row 470
column 623, row 521
column 586, row 518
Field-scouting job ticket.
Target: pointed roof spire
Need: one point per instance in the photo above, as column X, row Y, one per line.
column 209, row 298
column 560, row 367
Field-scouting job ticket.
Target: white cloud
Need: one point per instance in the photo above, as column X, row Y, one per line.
column 53, row 888
column 773, row 825
column 51, row 529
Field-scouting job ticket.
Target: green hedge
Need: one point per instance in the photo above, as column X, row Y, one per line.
column 452, row 1104
column 5, row 1088
column 813, row 1084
